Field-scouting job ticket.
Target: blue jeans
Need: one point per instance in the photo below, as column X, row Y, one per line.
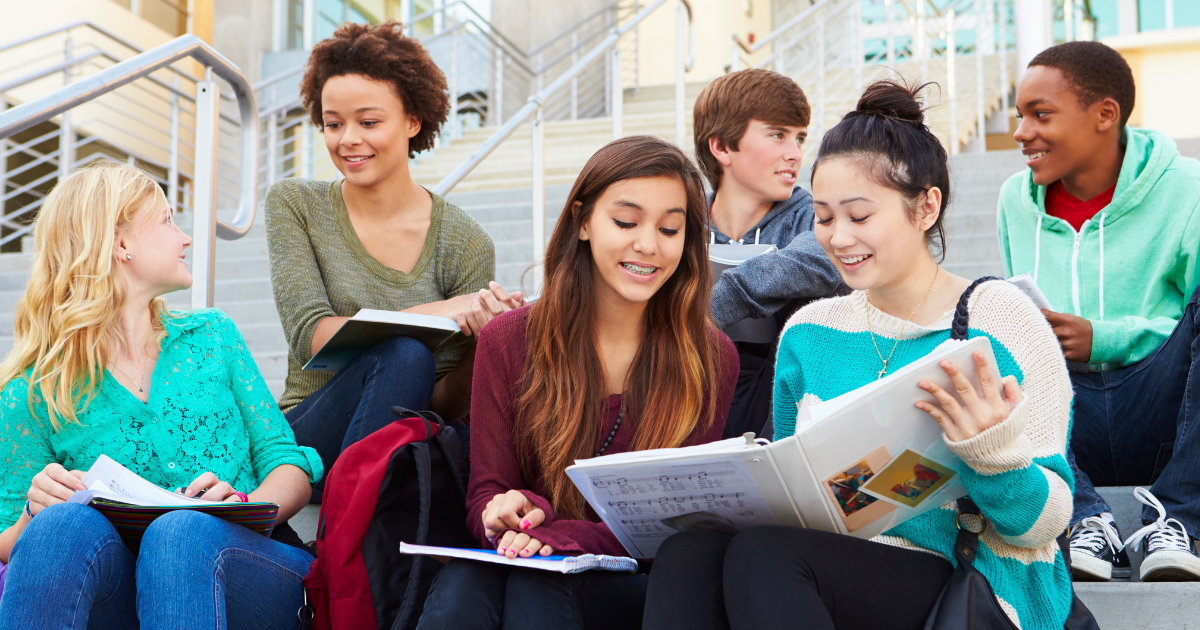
column 70, row 569
column 358, row 400
column 1131, row 428
column 470, row 595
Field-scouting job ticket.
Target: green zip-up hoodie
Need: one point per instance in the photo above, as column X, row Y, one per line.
column 1131, row 268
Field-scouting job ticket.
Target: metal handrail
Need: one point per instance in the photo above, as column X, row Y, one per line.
column 205, row 222
column 770, row 37
column 536, row 101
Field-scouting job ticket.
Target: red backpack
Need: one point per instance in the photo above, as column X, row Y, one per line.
column 405, row 482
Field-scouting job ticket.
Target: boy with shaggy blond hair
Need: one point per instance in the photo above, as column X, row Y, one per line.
column 750, row 127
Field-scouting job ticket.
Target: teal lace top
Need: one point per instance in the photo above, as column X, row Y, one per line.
column 209, row 410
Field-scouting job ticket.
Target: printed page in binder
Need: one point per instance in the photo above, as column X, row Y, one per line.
column 649, row 503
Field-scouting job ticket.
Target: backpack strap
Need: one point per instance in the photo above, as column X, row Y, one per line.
column 424, row 483
column 452, row 452
column 958, row 328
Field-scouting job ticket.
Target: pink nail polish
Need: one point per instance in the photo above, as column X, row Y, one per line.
column 503, row 550
column 525, row 524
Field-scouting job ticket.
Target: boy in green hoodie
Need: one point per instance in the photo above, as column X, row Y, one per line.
column 1107, row 222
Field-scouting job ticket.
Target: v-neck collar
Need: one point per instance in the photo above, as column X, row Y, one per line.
column 380, row 270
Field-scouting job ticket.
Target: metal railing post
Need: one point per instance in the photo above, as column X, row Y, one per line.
column 891, row 33
column 575, row 79
column 951, row 83
column 204, row 228
column 272, row 148
column 3, row 166
column 617, row 93
column 981, row 113
column 539, row 185
column 1069, row 19
column 734, row 63
column 453, row 86
column 66, row 132
column 173, row 158
column 820, row 117
column 856, row 46
column 922, row 40
column 680, row 62
column 637, row 50
column 1002, row 48
column 499, row 87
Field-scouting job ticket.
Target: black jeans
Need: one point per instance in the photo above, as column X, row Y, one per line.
column 470, row 595
column 789, row 577
column 1132, row 427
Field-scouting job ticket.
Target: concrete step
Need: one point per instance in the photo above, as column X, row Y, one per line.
column 1136, row 605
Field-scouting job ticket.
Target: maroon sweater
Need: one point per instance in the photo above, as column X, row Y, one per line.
column 499, row 362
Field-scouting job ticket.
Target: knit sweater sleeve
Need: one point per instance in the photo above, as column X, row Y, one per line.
column 23, row 441
column 1017, row 470
column 296, row 280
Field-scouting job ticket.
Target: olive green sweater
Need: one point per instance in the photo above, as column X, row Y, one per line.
column 319, row 269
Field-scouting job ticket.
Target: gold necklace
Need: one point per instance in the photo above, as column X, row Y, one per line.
column 902, row 328
column 145, row 363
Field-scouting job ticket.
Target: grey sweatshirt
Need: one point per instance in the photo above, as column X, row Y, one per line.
column 799, row 269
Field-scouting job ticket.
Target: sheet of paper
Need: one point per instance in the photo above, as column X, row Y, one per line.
column 648, row 503
column 107, row 479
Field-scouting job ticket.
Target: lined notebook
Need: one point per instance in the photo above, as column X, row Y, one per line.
column 560, row 564
column 131, row 503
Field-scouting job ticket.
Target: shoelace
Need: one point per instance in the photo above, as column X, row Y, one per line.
column 1093, row 533
column 1165, row 533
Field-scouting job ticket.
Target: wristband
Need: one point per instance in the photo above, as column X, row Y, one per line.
column 241, row 496
column 27, row 509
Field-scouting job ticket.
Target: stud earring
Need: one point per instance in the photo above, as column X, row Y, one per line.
column 128, row 256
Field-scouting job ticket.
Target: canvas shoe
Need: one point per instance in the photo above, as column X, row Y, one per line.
column 1170, row 552
column 1097, row 554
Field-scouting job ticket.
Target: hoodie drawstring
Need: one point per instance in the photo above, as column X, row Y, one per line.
column 1037, row 249
column 1102, row 217
column 758, row 231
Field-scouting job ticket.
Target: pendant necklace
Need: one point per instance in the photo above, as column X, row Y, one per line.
column 145, row 363
column 902, row 328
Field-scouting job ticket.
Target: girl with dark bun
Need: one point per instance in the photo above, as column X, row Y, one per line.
column 375, row 239
column 880, row 191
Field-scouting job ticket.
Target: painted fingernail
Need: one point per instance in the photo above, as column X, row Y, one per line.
column 503, row 550
column 525, row 524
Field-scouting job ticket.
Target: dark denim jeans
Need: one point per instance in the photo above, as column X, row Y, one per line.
column 359, row 399
column 70, row 569
column 469, row 595
column 1131, row 428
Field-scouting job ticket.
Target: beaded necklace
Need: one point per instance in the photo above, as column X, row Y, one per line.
column 612, row 433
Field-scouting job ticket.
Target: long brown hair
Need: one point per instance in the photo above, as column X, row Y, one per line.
column 671, row 389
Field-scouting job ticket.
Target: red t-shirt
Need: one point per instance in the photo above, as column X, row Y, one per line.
column 1060, row 204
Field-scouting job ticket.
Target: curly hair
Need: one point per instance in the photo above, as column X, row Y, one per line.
column 1094, row 71
column 381, row 52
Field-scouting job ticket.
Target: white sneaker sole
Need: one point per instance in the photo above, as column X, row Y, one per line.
column 1171, row 566
column 1088, row 568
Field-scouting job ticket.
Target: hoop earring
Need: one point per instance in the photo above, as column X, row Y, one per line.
column 128, row 256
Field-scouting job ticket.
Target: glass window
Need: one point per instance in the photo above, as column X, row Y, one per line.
column 1187, row 13
column 293, row 25
column 1152, row 15
column 1105, row 12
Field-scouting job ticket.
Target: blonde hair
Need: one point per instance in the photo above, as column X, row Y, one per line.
column 66, row 322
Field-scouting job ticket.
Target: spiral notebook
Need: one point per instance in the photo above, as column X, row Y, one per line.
column 560, row 564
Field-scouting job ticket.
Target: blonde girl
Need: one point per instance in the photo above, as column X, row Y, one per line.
column 101, row 366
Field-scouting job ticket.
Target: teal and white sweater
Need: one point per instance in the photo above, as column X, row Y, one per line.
column 1017, row 470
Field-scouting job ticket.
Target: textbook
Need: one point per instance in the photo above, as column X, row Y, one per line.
column 131, row 503
column 561, row 564
column 859, row 464
column 1025, row 283
column 370, row 326
column 722, row 256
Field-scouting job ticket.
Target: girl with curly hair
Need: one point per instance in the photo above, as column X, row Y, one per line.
column 375, row 239
column 101, row 367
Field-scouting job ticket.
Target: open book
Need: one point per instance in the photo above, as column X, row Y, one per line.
column 130, row 502
column 370, row 326
column 858, row 464
column 560, row 564
column 722, row 256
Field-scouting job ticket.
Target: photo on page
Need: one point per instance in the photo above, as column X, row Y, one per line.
column 908, row 480
column 855, row 508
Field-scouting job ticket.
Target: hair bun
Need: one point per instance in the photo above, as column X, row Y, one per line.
column 892, row 99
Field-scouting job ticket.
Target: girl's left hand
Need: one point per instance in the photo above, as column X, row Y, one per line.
column 980, row 412
column 208, row 487
column 514, row 545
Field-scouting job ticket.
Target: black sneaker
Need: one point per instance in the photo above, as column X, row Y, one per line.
column 1097, row 554
column 1170, row 552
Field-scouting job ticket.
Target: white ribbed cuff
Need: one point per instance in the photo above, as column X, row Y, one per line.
column 999, row 448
